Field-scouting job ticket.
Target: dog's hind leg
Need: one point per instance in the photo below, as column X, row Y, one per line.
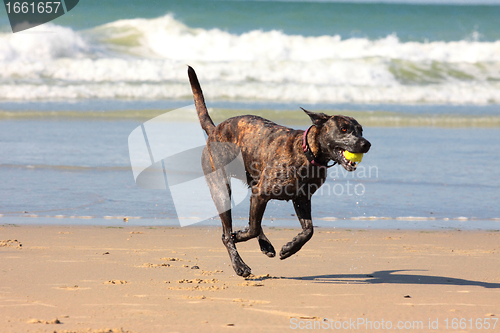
column 303, row 209
column 265, row 245
column 238, row 264
column 220, row 190
column 257, row 207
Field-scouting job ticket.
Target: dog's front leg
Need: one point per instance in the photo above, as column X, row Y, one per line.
column 303, row 209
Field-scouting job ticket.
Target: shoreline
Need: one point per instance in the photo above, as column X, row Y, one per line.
column 157, row 279
column 291, row 117
column 415, row 223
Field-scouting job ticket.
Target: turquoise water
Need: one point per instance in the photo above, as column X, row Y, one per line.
column 362, row 20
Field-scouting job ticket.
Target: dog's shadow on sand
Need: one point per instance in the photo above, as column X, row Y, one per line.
column 389, row 277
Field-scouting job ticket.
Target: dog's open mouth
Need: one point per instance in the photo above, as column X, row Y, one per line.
column 348, row 164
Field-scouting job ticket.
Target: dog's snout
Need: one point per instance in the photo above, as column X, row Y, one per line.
column 365, row 145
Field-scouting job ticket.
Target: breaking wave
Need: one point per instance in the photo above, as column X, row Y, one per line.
column 146, row 59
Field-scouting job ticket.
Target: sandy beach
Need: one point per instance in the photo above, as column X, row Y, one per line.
column 142, row 279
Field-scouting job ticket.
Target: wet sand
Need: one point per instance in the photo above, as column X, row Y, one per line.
column 141, row 279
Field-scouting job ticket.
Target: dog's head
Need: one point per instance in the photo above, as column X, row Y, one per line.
column 338, row 134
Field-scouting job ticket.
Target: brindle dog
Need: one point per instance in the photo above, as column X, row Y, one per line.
column 280, row 163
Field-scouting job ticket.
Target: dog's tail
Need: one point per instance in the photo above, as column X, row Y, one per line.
column 206, row 122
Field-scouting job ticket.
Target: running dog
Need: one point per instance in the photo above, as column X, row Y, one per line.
column 280, row 163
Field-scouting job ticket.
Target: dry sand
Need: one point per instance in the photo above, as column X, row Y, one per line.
column 139, row 279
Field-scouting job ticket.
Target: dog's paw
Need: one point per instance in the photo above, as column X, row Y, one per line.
column 289, row 250
column 243, row 271
column 267, row 248
column 241, row 268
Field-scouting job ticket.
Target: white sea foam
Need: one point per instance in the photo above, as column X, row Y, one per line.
column 435, row 94
column 168, row 38
column 44, row 43
column 146, row 59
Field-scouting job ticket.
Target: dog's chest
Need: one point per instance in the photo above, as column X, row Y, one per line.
column 286, row 183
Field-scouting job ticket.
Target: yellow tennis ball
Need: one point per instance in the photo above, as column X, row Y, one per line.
column 354, row 157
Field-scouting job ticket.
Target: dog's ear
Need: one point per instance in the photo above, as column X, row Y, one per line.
column 318, row 119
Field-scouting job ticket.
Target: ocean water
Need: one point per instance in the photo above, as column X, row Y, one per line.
column 424, row 80
column 79, row 171
column 258, row 51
